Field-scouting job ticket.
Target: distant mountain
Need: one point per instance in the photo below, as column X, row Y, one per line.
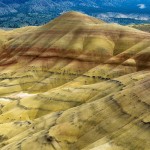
column 16, row 13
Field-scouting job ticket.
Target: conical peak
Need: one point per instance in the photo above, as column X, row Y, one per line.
column 73, row 18
column 74, row 14
column 78, row 16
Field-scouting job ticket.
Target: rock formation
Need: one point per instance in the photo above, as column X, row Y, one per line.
column 76, row 83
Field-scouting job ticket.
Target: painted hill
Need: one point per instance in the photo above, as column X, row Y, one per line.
column 143, row 27
column 76, row 83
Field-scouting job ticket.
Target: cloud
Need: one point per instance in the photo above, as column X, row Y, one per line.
column 108, row 15
column 141, row 6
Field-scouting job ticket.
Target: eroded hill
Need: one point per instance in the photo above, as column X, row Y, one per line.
column 76, row 83
column 143, row 27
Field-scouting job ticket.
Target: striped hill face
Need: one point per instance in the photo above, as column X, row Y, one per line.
column 76, row 83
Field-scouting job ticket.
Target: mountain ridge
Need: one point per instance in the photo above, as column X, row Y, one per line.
column 32, row 12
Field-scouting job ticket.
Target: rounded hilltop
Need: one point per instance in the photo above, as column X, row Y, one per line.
column 79, row 15
column 74, row 13
column 76, row 18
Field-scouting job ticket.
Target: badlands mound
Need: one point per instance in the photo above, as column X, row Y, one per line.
column 143, row 27
column 76, row 83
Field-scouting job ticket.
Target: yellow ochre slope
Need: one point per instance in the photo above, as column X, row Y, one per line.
column 76, row 83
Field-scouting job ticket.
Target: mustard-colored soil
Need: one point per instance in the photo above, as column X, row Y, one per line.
column 76, row 83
